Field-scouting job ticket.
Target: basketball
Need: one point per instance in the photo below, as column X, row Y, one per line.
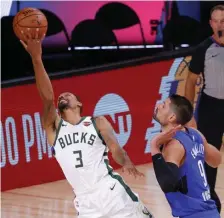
column 31, row 18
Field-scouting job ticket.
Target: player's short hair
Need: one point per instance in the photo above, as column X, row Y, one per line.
column 182, row 108
column 216, row 8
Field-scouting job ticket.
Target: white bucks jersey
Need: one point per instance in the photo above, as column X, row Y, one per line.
column 81, row 153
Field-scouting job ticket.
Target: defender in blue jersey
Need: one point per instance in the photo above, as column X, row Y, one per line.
column 179, row 164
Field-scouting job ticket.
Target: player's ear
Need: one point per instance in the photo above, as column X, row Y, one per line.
column 79, row 104
column 172, row 118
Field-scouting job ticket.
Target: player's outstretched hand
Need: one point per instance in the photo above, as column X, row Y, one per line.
column 131, row 170
column 32, row 42
column 165, row 136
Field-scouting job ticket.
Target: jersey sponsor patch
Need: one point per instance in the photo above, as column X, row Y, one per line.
column 87, row 123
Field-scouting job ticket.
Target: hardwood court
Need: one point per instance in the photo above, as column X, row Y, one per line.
column 55, row 200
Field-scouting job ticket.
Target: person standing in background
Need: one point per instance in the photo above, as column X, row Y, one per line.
column 208, row 60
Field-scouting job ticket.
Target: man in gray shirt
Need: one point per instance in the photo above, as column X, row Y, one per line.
column 208, row 59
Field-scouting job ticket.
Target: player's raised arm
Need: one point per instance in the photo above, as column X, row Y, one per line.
column 118, row 154
column 33, row 47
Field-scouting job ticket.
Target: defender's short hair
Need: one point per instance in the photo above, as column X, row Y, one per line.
column 182, row 107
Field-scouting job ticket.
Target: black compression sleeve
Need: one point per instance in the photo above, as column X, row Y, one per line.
column 197, row 62
column 167, row 174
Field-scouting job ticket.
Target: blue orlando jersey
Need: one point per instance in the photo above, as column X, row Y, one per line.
column 193, row 193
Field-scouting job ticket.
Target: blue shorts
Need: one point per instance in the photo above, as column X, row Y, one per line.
column 205, row 214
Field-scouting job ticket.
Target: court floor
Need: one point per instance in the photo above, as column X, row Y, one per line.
column 55, row 200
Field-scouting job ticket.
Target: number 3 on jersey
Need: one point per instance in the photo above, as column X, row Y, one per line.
column 202, row 172
column 79, row 161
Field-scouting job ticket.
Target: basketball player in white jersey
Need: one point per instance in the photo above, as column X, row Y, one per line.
column 81, row 146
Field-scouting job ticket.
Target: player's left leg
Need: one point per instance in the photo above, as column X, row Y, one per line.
column 119, row 201
column 87, row 207
column 139, row 210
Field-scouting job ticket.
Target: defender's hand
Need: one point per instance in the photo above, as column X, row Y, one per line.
column 165, row 136
column 33, row 44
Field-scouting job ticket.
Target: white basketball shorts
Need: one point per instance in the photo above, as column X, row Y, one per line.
column 111, row 199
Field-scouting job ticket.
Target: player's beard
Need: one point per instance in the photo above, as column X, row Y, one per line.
column 62, row 106
column 155, row 116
